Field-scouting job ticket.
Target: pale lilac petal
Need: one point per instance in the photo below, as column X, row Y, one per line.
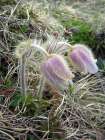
column 76, row 59
column 92, row 68
column 83, row 48
column 52, row 77
column 84, row 59
column 60, row 67
column 89, row 61
column 56, row 71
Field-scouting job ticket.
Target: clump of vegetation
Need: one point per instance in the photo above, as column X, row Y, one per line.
column 80, row 30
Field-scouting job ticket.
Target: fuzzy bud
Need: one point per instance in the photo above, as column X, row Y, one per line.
column 83, row 58
column 56, row 71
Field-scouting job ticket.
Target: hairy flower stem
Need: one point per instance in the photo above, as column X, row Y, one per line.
column 22, row 75
column 42, row 80
column 41, row 87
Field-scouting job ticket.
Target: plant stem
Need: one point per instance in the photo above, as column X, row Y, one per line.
column 41, row 88
column 22, row 75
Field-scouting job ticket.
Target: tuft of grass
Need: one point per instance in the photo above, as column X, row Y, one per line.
column 83, row 109
column 29, row 105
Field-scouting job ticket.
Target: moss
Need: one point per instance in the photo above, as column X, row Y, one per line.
column 85, row 32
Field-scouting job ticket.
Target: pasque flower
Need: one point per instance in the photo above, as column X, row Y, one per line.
column 56, row 71
column 83, row 58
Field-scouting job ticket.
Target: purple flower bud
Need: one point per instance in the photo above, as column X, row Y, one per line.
column 83, row 58
column 62, row 47
column 56, row 71
column 53, row 46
